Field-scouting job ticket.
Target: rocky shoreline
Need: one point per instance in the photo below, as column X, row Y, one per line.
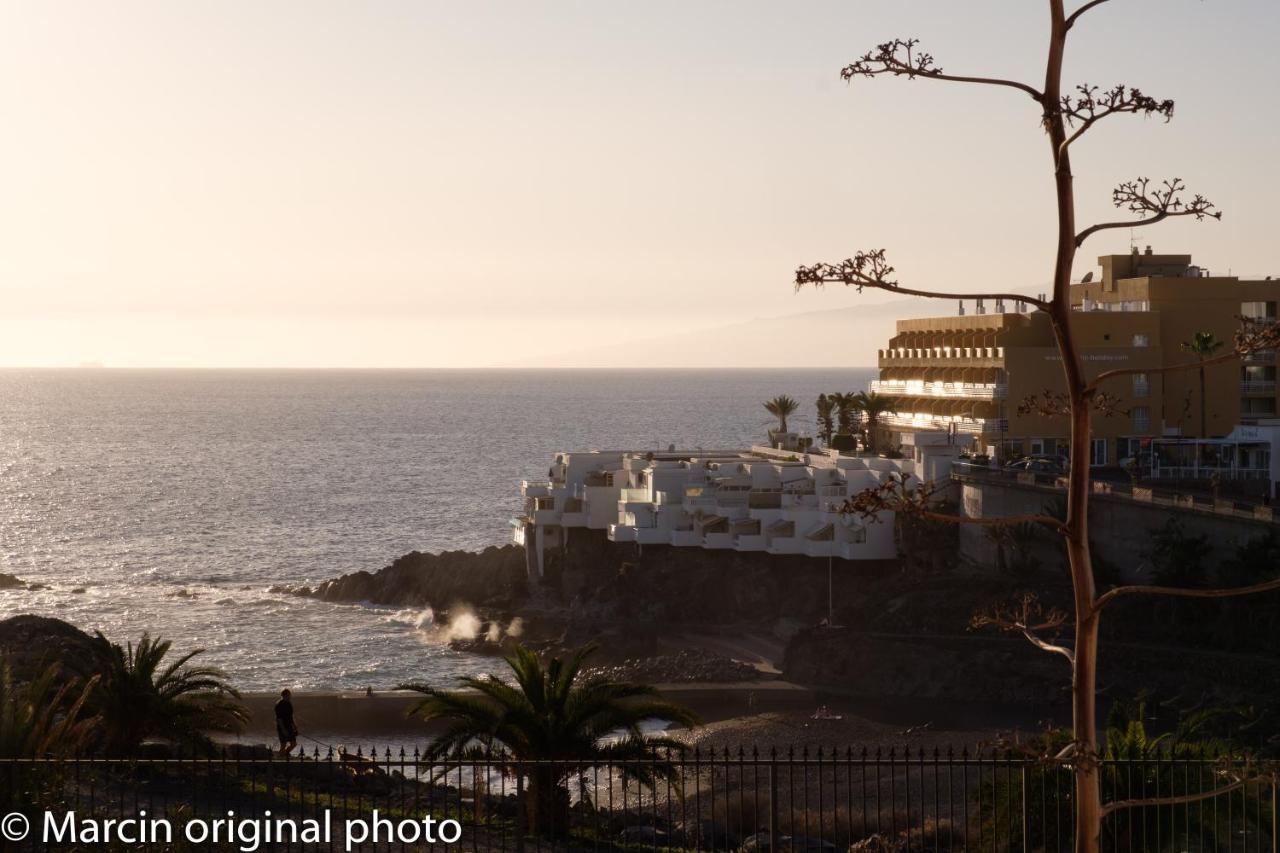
column 909, row 636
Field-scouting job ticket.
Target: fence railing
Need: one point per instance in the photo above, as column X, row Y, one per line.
column 811, row 801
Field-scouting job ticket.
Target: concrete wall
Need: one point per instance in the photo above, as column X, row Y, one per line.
column 1119, row 526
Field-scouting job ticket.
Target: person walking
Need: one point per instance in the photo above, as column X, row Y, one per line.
column 286, row 730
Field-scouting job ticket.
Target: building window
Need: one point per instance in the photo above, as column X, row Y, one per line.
column 1141, row 416
column 1258, row 310
column 1141, row 386
column 1141, row 341
column 1128, row 448
column 1037, row 447
column 1098, row 452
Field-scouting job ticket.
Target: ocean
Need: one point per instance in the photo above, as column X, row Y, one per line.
column 170, row 501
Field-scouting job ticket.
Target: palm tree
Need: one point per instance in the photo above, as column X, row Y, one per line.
column 873, row 406
column 782, row 407
column 42, row 717
column 39, row 719
column 551, row 714
column 826, row 417
column 141, row 697
column 1202, row 345
column 846, row 406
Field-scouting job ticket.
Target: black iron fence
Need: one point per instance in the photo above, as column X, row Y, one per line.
column 248, row 799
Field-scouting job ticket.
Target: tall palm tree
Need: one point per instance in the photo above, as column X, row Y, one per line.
column 846, row 408
column 140, row 697
column 1202, row 345
column 873, row 406
column 551, row 714
column 826, row 413
column 782, row 407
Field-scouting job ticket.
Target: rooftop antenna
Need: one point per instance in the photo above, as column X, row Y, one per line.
column 1133, row 242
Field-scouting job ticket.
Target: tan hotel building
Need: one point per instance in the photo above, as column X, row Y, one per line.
column 968, row 373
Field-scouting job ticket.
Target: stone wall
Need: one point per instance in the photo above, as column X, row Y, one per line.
column 1120, row 526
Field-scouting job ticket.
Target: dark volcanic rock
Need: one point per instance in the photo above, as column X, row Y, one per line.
column 30, row 644
column 10, row 582
column 493, row 578
column 687, row 666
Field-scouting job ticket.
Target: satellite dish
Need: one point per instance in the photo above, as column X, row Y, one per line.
column 1088, row 277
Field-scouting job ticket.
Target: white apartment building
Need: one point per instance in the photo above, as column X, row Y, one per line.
column 762, row 499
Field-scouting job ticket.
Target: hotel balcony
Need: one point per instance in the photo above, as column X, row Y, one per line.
column 1267, row 356
column 621, row 533
column 963, row 425
column 1258, row 386
column 686, row 537
column 942, row 357
column 956, row 390
column 718, row 540
column 534, row 489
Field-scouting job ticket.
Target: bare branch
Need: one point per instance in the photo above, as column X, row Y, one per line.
column 901, row 59
column 1071, row 20
column 897, row 494
column 1091, row 104
column 1057, row 404
column 1252, row 336
column 1152, row 204
column 1181, row 799
column 1183, row 592
column 1168, row 368
column 1026, row 615
column 872, row 269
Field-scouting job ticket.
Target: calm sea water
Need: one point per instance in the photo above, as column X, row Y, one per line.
column 169, row 501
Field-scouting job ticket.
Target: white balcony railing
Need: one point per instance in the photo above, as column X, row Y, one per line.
column 964, row 390
column 1258, row 386
column 925, row 420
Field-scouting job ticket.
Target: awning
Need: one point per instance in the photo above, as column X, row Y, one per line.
column 822, row 533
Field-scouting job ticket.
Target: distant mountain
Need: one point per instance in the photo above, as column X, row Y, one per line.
column 838, row 337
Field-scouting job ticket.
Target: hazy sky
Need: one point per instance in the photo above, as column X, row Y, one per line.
column 447, row 183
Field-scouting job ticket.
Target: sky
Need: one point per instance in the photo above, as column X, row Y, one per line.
column 444, row 184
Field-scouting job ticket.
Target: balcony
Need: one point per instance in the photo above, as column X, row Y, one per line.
column 532, row 489
column 718, row 540
column 686, row 537
column 964, row 426
column 621, row 533
column 953, row 390
column 942, row 357
column 652, row 536
column 1258, row 386
column 1267, row 356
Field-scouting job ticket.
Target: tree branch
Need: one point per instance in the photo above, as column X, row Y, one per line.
column 1050, row 647
column 872, row 269
column 896, row 494
column 1161, row 203
column 1168, row 368
column 996, row 521
column 1091, row 104
column 1252, row 336
column 1180, row 799
column 1182, row 592
column 1025, row 614
column 899, row 58
column 1071, row 20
